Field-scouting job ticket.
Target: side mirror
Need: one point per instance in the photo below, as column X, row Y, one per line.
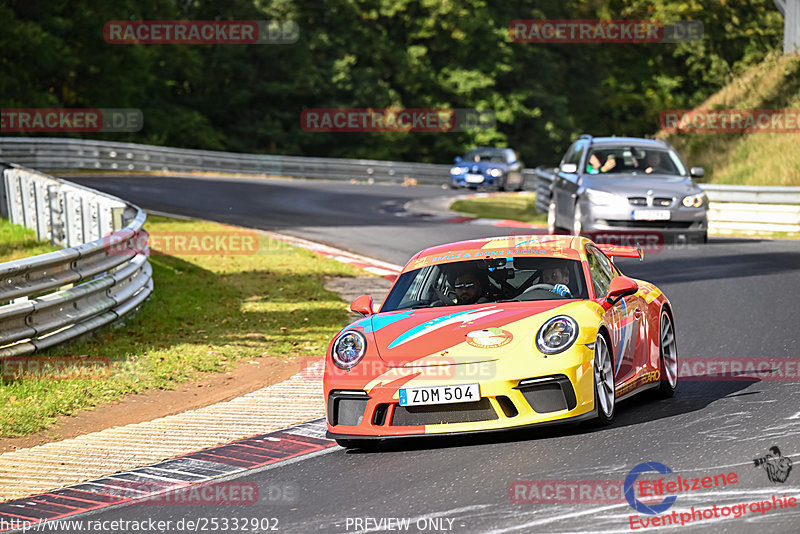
column 621, row 286
column 458, row 159
column 362, row 305
column 569, row 168
column 697, row 172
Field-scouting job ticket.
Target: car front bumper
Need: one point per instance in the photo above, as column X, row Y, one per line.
column 688, row 222
column 546, row 391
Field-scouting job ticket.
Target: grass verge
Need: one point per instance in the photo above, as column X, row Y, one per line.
column 515, row 207
column 207, row 313
column 749, row 158
column 18, row 242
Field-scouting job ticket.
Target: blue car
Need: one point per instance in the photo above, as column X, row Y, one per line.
column 488, row 167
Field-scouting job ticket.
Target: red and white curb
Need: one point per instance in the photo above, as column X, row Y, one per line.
column 183, row 480
column 380, row 268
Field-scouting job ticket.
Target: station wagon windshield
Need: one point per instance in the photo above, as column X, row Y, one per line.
column 634, row 160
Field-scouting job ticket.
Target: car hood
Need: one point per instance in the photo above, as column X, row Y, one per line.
column 639, row 185
column 455, row 334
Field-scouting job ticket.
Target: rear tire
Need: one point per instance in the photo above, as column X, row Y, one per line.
column 668, row 360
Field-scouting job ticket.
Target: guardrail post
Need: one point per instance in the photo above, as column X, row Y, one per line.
column 4, row 212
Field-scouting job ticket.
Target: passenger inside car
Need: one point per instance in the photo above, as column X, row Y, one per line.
column 558, row 277
column 600, row 162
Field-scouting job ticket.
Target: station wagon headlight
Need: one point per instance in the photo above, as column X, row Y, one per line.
column 557, row 335
column 694, row 201
column 457, row 170
column 348, row 349
column 495, row 172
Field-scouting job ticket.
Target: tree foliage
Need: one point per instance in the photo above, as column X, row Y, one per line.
column 376, row 53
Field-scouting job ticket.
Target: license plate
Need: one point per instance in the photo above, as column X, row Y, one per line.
column 475, row 178
column 650, row 215
column 439, row 395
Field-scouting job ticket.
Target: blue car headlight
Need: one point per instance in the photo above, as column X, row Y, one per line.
column 348, row 349
column 557, row 334
column 497, row 173
column 457, row 170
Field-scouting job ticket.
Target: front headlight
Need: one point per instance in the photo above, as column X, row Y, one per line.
column 497, row 173
column 557, row 335
column 457, row 170
column 603, row 198
column 348, row 349
column 694, row 201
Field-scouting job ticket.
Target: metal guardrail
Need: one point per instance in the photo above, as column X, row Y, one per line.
column 101, row 276
column 739, row 208
column 64, row 154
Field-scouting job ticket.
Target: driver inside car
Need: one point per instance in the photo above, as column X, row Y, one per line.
column 470, row 289
column 558, row 277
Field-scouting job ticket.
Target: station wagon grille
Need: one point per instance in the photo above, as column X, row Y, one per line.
column 661, row 202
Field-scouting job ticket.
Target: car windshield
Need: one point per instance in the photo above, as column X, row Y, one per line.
column 488, row 280
column 493, row 155
column 634, row 160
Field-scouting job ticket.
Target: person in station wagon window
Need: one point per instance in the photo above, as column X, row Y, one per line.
column 469, row 289
column 652, row 162
column 599, row 163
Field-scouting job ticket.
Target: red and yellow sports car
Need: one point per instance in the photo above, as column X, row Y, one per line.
column 499, row 333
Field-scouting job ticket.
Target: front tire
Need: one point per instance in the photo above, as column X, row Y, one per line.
column 604, row 395
column 577, row 223
column 668, row 362
column 551, row 217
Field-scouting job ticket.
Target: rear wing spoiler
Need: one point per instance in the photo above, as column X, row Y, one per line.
column 618, row 251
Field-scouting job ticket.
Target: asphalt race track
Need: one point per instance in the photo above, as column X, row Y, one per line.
column 733, row 298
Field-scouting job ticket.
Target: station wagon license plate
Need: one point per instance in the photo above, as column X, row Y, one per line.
column 650, row 215
column 439, row 394
column 475, row 178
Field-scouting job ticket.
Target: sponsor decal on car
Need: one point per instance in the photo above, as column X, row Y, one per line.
column 489, row 338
